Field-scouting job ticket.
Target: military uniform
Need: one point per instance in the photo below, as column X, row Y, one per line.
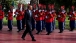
column 54, row 15
column 33, row 19
column 23, row 13
column 1, row 17
column 38, row 21
column 49, row 20
column 10, row 18
column 19, row 17
column 72, row 15
column 61, row 19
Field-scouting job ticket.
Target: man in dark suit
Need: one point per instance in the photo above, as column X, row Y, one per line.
column 28, row 17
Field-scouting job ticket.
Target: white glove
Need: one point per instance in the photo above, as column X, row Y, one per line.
column 53, row 10
column 50, row 12
column 63, row 11
column 73, row 12
column 70, row 15
column 36, row 15
column 34, row 10
column 58, row 15
column 17, row 13
column 39, row 10
column 46, row 16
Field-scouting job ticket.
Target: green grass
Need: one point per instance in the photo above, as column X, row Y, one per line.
column 66, row 23
column 5, row 22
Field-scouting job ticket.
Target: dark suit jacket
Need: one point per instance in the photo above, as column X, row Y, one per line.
column 28, row 19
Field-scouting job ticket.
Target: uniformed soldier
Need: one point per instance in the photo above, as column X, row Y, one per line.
column 19, row 14
column 54, row 15
column 1, row 17
column 10, row 18
column 38, row 19
column 33, row 19
column 43, row 19
column 49, row 20
column 61, row 18
column 72, row 15
column 23, row 13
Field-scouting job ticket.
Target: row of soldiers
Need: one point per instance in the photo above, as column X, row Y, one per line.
column 42, row 18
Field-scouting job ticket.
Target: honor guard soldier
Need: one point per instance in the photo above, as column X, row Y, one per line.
column 19, row 17
column 61, row 18
column 49, row 20
column 43, row 16
column 38, row 19
column 23, row 13
column 10, row 18
column 33, row 19
column 72, row 15
column 54, row 15
column 1, row 17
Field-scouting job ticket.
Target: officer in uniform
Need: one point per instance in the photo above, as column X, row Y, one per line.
column 49, row 20
column 23, row 19
column 1, row 17
column 10, row 18
column 19, row 14
column 33, row 19
column 72, row 15
column 43, row 16
column 54, row 15
column 38, row 19
column 61, row 18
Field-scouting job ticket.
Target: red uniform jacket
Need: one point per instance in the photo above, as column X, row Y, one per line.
column 1, row 14
column 72, row 15
column 34, row 13
column 19, row 14
column 23, row 13
column 10, row 15
column 61, row 17
column 49, row 17
column 54, row 14
column 38, row 15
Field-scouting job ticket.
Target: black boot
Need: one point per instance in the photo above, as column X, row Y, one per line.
column 33, row 39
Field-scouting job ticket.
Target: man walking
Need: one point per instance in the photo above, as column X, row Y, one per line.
column 28, row 17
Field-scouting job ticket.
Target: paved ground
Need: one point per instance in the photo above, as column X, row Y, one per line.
column 55, row 37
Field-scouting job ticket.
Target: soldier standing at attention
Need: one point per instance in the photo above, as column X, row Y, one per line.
column 23, row 13
column 49, row 20
column 72, row 15
column 19, row 14
column 54, row 15
column 10, row 18
column 33, row 19
column 1, row 17
column 61, row 18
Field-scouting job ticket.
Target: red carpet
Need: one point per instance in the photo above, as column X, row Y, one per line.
column 55, row 37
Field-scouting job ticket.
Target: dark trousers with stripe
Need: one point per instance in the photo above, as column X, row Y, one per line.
column 72, row 24
column 39, row 26
column 53, row 24
column 1, row 24
column 43, row 24
column 19, row 24
column 33, row 24
column 49, row 27
column 10, row 24
column 61, row 26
